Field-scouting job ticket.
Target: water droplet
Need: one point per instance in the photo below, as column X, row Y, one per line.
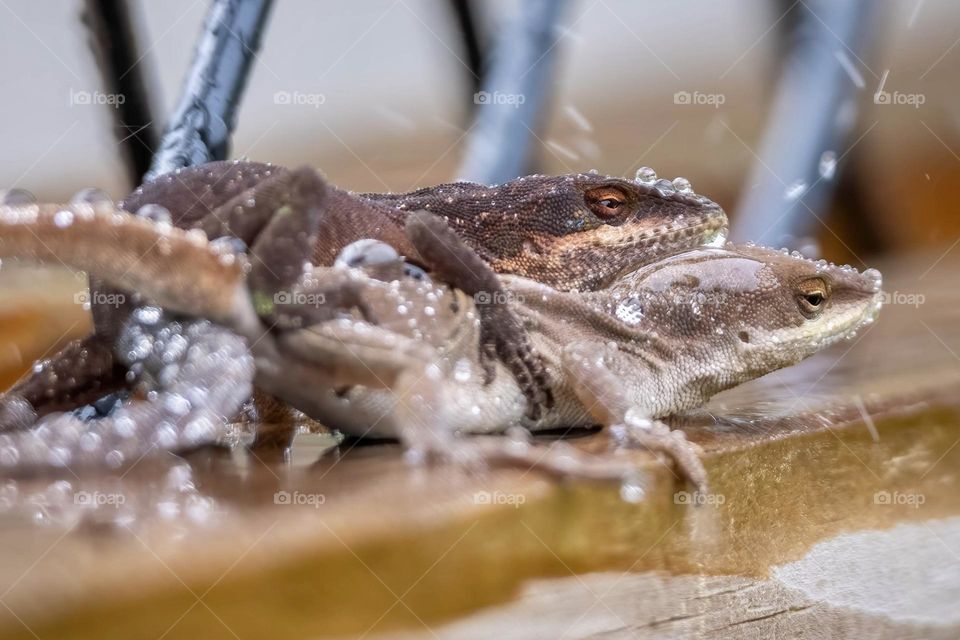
column 226, row 245
column 148, row 315
column 92, row 195
column 59, row 457
column 114, row 459
column 682, row 185
column 176, row 404
column 367, row 252
column 632, row 489
column 155, row 212
column 124, row 426
column 638, row 419
column 16, row 197
column 794, row 190
column 630, row 311
column 828, row 165
column 90, row 442
column 646, row 175
column 664, row 188
column 199, row 430
column 63, row 218
column 463, row 370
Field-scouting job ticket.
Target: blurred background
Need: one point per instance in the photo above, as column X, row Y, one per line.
column 380, row 96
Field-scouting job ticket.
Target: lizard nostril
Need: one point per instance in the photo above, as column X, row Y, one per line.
column 744, row 337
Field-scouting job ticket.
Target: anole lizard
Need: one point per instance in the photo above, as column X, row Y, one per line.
column 656, row 341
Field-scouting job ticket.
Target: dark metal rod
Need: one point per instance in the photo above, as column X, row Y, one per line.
column 511, row 106
column 470, row 39
column 114, row 44
column 200, row 128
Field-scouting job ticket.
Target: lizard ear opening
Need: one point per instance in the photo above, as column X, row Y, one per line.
column 606, row 202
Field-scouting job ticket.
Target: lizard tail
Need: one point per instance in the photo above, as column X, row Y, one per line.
column 176, row 269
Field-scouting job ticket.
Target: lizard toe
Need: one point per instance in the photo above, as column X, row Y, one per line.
column 658, row 438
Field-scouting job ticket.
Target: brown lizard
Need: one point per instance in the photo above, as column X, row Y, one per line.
column 570, row 232
column 656, row 341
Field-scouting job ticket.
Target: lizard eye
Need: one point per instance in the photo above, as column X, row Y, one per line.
column 606, row 202
column 812, row 296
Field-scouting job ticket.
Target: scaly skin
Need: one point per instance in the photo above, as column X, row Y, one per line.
column 570, row 232
column 661, row 340
column 407, row 363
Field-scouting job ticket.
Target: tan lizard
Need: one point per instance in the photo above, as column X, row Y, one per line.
column 656, row 341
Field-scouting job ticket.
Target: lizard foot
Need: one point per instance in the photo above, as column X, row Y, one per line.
column 657, row 437
column 607, row 398
column 515, row 451
column 503, row 337
column 559, row 459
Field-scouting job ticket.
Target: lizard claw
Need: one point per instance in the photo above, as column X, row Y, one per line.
column 503, row 336
column 658, row 437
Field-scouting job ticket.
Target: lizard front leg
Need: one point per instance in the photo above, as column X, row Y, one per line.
column 605, row 398
column 502, row 332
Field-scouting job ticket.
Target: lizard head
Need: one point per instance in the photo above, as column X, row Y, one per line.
column 737, row 313
column 577, row 231
column 801, row 307
column 581, row 231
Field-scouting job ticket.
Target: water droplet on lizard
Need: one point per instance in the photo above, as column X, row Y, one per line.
column 63, row 218
column 16, row 196
column 92, row 195
column 155, row 213
column 646, row 175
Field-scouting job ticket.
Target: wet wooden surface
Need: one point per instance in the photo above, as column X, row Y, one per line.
column 834, row 511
